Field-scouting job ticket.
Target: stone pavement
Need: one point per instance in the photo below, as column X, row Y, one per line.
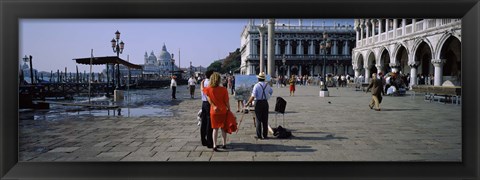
column 336, row 128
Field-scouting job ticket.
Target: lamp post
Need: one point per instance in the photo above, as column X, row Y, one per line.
column 173, row 63
column 284, row 60
column 323, row 49
column 117, row 47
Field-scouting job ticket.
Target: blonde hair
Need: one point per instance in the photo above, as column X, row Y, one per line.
column 214, row 80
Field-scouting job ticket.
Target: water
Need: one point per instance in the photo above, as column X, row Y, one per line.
column 137, row 103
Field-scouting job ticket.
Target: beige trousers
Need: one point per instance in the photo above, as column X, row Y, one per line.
column 375, row 103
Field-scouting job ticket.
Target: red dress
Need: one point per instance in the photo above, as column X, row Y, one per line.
column 218, row 95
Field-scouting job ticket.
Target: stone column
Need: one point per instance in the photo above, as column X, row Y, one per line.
column 271, row 48
column 311, row 49
column 358, row 35
column 395, row 27
column 414, row 22
column 299, row 47
column 288, row 71
column 368, row 28
column 299, row 70
column 254, row 48
column 367, row 75
column 372, row 28
column 413, row 74
column 335, row 48
column 357, row 72
column 277, row 47
column 289, row 48
column 380, row 25
column 438, row 78
column 347, row 48
column 386, row 25
column 262, row 30
column 379, row 69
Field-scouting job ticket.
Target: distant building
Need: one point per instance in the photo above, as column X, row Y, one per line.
column 301, row 46
column 154, row 67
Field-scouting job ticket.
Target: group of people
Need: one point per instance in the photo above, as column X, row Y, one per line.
column 216, row 115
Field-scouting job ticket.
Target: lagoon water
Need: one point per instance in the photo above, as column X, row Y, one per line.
column 137, row 103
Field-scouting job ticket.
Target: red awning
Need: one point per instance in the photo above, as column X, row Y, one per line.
column 107, row 60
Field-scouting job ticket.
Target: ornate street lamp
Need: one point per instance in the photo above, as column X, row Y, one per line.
column 117, row 47
column 284, row 60
column 173, row 63
column 324, row 45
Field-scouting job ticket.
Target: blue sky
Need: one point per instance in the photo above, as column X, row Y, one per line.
column 53, row 43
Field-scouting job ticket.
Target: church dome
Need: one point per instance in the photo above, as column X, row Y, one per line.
column 164, row 54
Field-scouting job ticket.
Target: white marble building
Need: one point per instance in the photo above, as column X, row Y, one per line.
column 409, row 46
column 159, row 66
column 300, row 44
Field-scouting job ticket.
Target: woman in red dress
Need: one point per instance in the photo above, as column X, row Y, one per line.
column 218, row 98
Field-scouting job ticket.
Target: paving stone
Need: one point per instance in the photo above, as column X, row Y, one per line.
column 406, row 129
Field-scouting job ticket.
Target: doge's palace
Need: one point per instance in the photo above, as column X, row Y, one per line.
column 414, row 47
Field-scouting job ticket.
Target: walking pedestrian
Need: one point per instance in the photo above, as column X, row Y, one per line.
column 191, row 86
column 291, row 82
column 206, row 130
column 218, row 98
column 377, row 90
column 173, row 86
column 233, row 85
column 261, row 93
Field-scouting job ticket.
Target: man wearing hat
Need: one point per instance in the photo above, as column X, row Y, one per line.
column 261, row 93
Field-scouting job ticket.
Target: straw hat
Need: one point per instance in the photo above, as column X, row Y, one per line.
column 261, row 75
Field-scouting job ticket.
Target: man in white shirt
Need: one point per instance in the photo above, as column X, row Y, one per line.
column 206, row 131
column 173, row 86
column 261, row 93
column 191, row 86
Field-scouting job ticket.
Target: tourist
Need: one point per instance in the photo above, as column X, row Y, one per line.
column 191, row 86
column 173, row 86
column 205, row 128
column 261, row 93
column 233, row 85
column 217, row 96
column 377, row 90
column 229, row 83
column 291, row 82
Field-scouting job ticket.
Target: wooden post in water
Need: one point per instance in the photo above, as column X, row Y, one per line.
column 65, row 78
column 90, row 81
column 58, row 76
column 51, row 76
column 77, row 75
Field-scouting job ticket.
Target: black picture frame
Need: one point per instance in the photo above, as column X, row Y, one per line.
column 11, row 11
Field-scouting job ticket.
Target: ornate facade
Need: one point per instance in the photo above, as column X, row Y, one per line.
column 409, row 46
column 300, row 46
column 158, row 66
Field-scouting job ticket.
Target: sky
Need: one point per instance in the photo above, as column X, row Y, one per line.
column 54, row 43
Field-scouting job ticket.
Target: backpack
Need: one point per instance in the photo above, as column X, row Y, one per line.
column 282, row 133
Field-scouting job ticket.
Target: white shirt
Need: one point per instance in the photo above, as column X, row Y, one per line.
column 205, row 84
column 173, row 83
column 191, row 82
column 257, row 92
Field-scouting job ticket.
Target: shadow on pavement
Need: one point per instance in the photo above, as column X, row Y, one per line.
column 268, row 147
column 327, row 137
column 383, row 109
